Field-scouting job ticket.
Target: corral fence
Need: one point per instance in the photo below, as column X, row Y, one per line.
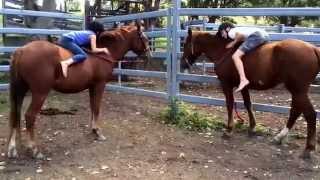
column 172, row 54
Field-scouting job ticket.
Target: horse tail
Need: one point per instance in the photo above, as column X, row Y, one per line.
column 18, row 89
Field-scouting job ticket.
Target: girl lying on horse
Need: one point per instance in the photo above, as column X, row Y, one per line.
column 74, row 40
column 251, row 37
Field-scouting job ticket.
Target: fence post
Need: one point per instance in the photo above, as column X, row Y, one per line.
column 169, row 52
column 281, row 28
column 175, row 60
column 120, row 74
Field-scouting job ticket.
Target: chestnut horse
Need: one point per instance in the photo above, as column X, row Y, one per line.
column 292, row 62
column 36, row 67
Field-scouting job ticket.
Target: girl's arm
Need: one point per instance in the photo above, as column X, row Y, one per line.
column 238, row 38
column 93, row 42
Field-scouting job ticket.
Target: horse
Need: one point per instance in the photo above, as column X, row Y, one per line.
column 35, row 67
column 292, row 62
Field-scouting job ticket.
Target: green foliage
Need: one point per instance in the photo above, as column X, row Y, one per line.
column 160, row 42
column 4, row 77
column 4, row 102
column 186, row 116
column 259, row 129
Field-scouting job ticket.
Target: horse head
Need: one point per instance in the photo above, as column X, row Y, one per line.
column 190, row 51
column 126, row 38
column 198, row 43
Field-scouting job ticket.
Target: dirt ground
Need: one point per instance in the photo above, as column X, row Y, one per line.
column 139, row 146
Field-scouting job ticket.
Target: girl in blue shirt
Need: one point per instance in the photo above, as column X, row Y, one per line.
column 74, row 40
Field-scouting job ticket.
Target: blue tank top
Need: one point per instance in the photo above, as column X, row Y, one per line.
column 79, row 37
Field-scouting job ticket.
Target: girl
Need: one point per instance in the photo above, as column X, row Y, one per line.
column 251, row 37
column 74, row 40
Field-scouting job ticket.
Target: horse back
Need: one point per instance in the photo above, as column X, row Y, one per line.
column 259, row 66
column 282, row 61
column 63, row 53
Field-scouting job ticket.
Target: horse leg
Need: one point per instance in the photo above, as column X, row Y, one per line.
column 16, row 99
column 30, row 116
column 96, row 93
column 310, row 116
column 294, row 114
column 228, row 92
column 248, row 105
column 302, row 104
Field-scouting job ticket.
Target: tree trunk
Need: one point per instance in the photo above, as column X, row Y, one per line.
column 148, row 7
column 30, row 5
column 97, row 7
column 40, row 22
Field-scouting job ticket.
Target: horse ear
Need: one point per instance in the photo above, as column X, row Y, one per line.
column 138, row 24
column 189, row 32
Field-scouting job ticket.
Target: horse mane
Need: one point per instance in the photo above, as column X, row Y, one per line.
column 110, row 36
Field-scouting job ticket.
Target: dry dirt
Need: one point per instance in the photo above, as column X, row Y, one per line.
column 139, row 146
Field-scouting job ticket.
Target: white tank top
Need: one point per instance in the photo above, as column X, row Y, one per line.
column 246, row 31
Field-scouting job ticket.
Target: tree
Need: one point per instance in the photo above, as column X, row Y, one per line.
column 286, row 20
column 213, row 4
column 39, row 22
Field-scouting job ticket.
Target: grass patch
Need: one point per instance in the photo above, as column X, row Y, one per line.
column 4, row 77
column 187, row 117
column 259, row 129
column 4, row 102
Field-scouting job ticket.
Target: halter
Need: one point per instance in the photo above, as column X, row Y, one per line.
column 142, row 36
column 192, row 52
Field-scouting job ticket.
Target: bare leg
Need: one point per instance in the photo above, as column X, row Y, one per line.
column 239, row 65
column 64, row 65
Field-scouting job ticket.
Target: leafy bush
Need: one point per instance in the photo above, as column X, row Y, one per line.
column 186, row 116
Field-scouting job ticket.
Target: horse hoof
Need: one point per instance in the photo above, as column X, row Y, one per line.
column 36, row 154
column 39, row 156
column 12, row 153
column 227, row 135
column 306, row 155
column 277, row 141
column 99, row 136
column 252, row 133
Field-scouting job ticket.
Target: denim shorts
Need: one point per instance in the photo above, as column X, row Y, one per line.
column 253, row 41
column 78, row 54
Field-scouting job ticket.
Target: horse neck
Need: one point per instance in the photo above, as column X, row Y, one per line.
column 119, row 47
column 211, row 46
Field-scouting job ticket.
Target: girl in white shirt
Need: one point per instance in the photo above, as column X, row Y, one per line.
column 251, row 38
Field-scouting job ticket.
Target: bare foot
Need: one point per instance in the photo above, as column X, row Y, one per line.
column 64, row 67
column 242, row 85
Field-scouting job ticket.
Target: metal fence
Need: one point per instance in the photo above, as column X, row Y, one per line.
column 173, row 34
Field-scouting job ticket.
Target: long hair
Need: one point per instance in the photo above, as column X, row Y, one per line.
column 224, row 26
column 95, row 27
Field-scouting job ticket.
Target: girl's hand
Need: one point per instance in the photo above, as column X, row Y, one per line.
column 230, row 45
column 106, row 51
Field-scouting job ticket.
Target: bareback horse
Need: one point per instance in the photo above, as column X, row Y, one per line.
column 35, row 67
column 292, row 62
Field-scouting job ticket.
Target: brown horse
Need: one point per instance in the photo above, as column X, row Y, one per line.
column 36, row 67
column 292, row 62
